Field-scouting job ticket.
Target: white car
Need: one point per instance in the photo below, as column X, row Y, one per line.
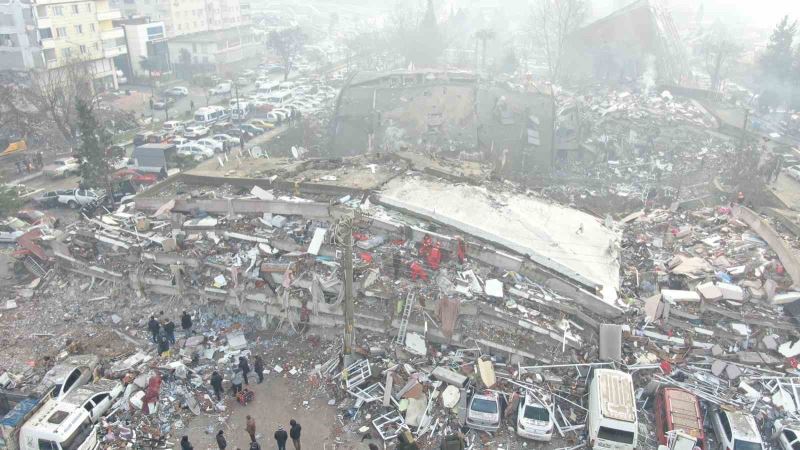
column 788, row 435
column 534, row 419
column 196, row 131
column 211, row 143
column 221, row 89
column 793, row 172
column 9, row 234
column 177, row 91
column 97, row 397
column 275, row 116
column 196, row 151
column 225, row 138
column 483, row 412
column 736, row 430
column 173, row 126
column 180, row 140
column 62, row 167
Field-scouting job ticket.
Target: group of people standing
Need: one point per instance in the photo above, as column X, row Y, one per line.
column 28, row 165
column 281, row 436
column 162, row 331
column 240, row 376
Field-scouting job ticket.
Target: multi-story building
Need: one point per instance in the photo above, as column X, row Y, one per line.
column 19, row 50
column 219, row 50
column 185, row 16
column 42, row 36
column 147, row 43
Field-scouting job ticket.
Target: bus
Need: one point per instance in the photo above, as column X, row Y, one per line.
column 210, row 114
column 280, row 98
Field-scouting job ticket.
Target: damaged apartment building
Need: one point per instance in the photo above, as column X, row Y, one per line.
column 267, row 248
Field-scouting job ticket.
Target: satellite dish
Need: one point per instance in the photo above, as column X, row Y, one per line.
column 295, row 152
column 256, row 152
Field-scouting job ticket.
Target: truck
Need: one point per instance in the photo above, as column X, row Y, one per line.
column 611, row 421
column 154, row 158
column 677, row 409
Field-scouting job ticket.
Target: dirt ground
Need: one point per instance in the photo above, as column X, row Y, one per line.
column 274, row 405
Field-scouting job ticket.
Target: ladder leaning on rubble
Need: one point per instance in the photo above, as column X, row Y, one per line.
column 401, row 332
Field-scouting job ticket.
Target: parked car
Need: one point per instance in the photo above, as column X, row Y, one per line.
column 788, row 435
column 70, row 197
column 534, row 419
column 96, row 398
column 141, row 138
column 736, row 430
column 173, row 126
column 135, row 176
column 221, row 89
column 9, row 234
column 237, row 133
column 36, row 217
column 68, row 375
column 252, row 129
column 211, row 143
column 677, row 409
column 242, row 81
column 226, row 138
column 195, row 151
column 483, row 412
column 263, row 124
column 62, row 167
column 176, row 91
column 196, row 131
column 793, row 172
column 164, row 103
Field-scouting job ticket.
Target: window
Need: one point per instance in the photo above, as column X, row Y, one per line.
column 88, row 7
column 45, row 33
column 49, row 54
column 92, row 27
column 41, row 11
column 76, row 9
column 79, row 29
column 47, row 445
column 612, row 434
column 726, row 425
column 83, row 49
column 58, row 10
column 61, row 32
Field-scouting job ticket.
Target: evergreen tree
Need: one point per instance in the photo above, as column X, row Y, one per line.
column 9, row 200
column 430, row 43
column 96, row 155
column 776, row 61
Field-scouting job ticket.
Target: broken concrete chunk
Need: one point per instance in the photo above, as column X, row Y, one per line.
column 415, row 344
column 731, row 291
column 709, row 291
column 610, row 342
column 674, row 296
column 494, row 288
column 718, row 366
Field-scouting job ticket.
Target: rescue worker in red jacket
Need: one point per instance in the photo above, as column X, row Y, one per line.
column 427, row 246
column 435, row 256
column 417, row 271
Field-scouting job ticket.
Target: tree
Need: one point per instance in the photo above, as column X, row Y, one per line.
column 552, row 22
column 287, row 43
column 484, row 36
column 429, row 39
column 9, row 200
column 96, row 155
column 776, row 61
column 720, row 52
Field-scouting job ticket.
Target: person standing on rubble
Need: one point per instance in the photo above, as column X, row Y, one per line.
column 294, row 433
column 237, row 381
column 154, row 327
column 258, row 365
column 186, row 323
column 216, row 384
column 250, row 427
column 169, row 331
column 163, row 345
column 281, row 437
column 185, row 444
column 221, row 442
column 244, row 366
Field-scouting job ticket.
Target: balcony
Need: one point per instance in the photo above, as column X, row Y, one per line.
column 44, row 22
column 114, row 33
column 48, row 43
column 112, row 14
column 110, row 52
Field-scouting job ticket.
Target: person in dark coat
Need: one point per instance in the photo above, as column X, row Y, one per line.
column 216, row 384
column 294, row 433
column 245, row 367
column 154, row 327
column 280, row 437
column 221, row 442
column 169, row 330
column 163, row 344
column 185, row 444
column 258, row 365
column 186, row 323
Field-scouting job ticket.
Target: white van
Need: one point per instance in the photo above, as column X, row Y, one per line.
column 612, row 421
column 209, row 114
column 59, row 426
column 280, row 98
column 266, row 86
column 242, row 112
column 736, row 430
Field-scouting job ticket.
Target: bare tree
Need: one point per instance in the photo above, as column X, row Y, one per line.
column 56, row 91
column 287, row 43
column 552, row 22
column 720, row 53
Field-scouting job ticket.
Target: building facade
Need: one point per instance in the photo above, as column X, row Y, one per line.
column 147, row 49
column 19, row 50
column 182, row 17
column 219, row 50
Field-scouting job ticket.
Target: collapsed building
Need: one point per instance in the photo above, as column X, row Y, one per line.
column 637, row 41
column 444, row 111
